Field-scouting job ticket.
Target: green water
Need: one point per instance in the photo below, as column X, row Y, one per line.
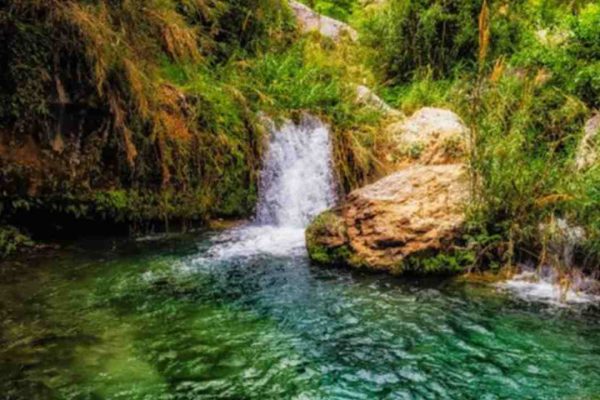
column 149, row 321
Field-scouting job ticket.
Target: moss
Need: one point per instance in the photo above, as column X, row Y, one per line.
column 125, row 108
column 327, row 229
column 448, row 262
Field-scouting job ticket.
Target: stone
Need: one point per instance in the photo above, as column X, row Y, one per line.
column 310, row 21
column 366, row 97
column 413, row 219
column 430, row 136
column 414, row 212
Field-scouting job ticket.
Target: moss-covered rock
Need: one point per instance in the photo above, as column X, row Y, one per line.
column 327, row 240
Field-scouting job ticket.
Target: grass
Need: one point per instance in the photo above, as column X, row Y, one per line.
column 151, row 112
column 524, row 88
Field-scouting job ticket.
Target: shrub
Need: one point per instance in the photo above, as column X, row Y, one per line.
column 524, row 134
column 412, row 35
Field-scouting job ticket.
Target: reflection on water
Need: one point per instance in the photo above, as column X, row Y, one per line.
column 161, row 321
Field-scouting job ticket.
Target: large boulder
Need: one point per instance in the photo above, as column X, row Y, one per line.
column 310, row 21
column 410, row 220
column 587, row 152
column 430, row 136
column 414, row 213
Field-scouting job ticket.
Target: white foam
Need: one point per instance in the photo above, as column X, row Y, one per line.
column 258, row 239
column 530, row 287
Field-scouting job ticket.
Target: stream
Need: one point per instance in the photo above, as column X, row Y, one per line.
column 243, row 314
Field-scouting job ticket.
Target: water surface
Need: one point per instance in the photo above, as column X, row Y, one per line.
column 170, row 320
column 242, row 314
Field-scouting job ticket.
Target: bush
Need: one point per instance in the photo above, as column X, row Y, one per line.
column 524, row 135
column 568, row 49
column 412, row 35
column 338, row 9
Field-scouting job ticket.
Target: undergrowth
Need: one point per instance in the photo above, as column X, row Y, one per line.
column 524, row 77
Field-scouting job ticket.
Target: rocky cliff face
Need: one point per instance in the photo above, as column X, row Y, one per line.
column 415, row 212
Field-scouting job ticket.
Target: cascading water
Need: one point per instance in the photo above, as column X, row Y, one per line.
column 296, row 181
column 558, row 282
column 296, row 184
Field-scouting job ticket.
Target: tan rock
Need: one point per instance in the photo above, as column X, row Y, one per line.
column 309, row 21
column 366, row 97
column 587, row 152
column 418, row 210
column 430, row 136
column 405, row 220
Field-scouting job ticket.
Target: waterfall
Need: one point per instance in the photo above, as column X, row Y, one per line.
column 296, row 184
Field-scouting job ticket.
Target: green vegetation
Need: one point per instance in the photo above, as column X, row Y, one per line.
column 144, row 113
column 339, row 9
column 524, row 76
column 12, row 240
column 92, row 107
column 330, row 224
column 148, row 113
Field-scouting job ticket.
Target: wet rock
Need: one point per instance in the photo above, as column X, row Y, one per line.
column 561, row 240
column 310, row 21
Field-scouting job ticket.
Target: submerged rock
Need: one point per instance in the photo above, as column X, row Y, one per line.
column 414, row 212
column 310, row 21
